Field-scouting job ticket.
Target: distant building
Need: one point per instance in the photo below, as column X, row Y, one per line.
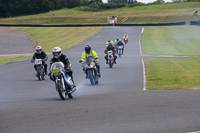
column 122, row 1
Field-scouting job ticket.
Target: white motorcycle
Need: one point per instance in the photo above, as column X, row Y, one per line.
column 120, row 50
column 40, row 69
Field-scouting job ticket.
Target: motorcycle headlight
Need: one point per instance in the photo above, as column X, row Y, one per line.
column 92, row 65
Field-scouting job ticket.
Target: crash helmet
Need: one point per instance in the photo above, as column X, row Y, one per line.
column 87, row 49
column 110, row 45
column 56, row 52
column 38, row 49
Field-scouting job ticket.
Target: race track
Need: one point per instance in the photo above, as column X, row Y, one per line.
column 117, row 105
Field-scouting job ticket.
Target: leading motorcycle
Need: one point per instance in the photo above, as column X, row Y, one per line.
column 63, row 81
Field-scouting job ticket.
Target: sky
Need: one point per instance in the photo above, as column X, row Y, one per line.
column 145, row 1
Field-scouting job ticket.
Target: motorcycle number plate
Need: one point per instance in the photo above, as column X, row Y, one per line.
column 56, row 71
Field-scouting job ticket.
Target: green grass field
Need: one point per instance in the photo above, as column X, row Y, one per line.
column 162, row 13
column 167, row 73
column 174, row 40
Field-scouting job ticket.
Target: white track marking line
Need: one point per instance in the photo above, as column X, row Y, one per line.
column 194, row 132
column 143, row 65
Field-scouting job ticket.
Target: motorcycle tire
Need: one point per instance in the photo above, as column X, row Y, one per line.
column 38, row 73
column 42, row 73
column 91, row 77
column 110, row 63
column 61, row 92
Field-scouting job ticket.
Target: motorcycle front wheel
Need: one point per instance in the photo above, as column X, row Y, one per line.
column 110, row 63
column 91, row 77
column 38, row 73
column 61, row 91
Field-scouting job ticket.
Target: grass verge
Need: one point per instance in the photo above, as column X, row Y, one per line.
column 172, row 74
column 8, row 59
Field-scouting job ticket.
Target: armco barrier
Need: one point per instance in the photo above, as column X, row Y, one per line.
column 158, row 24
column 195, row 23
column 90, row 25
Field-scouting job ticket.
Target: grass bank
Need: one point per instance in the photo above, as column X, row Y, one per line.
column 168, row 73
column 65, row 38
column 51, row 37
column 162, row 13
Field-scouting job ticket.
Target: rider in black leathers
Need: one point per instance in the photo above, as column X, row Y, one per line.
column 120, row 43
column 39, row 54
column 58, row 56
column 108, row 48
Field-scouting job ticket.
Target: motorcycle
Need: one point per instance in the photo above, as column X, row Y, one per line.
column 63, row 81
column 90, row 70
column 40, row 69
column 110, row 58
column 120, row 50
column 125, row 40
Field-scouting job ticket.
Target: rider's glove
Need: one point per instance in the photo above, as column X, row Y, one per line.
column 82, row 64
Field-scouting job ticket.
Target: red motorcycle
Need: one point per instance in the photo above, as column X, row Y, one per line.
column 125, row 40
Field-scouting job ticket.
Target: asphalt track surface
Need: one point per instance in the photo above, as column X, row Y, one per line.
column 117, row 105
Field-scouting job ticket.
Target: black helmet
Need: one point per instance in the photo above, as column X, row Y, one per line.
column 110, row 45
column 117, row 39
column 87, row 49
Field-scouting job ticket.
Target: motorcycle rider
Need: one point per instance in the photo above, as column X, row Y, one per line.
column 59, row 56
column 39, row 54
column 94, row 55
column 116, row 41
column 120, row 43
column 125, row 36
column 109, row 48
column 109, row 41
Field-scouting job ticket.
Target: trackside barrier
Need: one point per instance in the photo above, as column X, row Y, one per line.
column 91, row 25
column 195, row 23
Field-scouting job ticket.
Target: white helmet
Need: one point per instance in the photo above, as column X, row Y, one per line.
column 56, row 52
column 38, row 49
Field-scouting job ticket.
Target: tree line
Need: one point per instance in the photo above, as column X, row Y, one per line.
column 10, row 8
column 26, row 7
